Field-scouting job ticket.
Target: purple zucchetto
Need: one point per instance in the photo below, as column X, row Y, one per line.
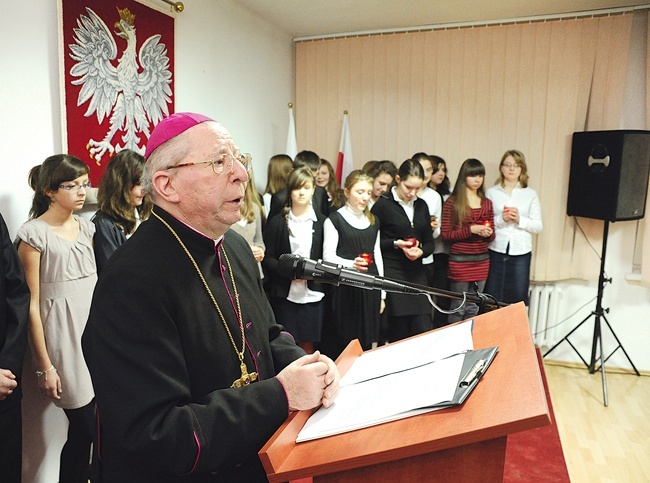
column 172, row 126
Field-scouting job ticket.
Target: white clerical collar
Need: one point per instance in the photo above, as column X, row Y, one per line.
column 215, row 240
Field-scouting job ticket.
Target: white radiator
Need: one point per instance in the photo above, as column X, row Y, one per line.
column 543, row 312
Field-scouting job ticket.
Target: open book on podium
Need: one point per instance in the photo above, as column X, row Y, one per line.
column 459, row 443
column 436, row 370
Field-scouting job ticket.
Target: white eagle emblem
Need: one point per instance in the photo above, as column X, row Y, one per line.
column 132, row 98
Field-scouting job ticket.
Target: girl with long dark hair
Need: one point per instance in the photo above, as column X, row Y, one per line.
column 468, row 225
column 123, row 204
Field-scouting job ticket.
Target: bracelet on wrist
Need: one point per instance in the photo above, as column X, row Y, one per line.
column 44, row 373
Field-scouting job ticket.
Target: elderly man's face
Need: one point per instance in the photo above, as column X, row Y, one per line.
column 210, row 202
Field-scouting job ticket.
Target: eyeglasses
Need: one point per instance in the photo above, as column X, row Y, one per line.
column 225, row 164
column 511, row 166
column 75, row 187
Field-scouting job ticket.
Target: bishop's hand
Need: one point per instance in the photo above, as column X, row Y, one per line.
column 304, row 381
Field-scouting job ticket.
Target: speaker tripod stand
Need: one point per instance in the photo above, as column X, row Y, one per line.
column 597, row 341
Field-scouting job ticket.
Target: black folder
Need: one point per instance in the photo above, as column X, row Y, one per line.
column 471, row 358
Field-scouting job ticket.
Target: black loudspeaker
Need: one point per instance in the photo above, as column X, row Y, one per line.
column 609, row 175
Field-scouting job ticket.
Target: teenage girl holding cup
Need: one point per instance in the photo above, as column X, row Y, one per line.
column 352, row 241
column 468, row 225
column 405, row 238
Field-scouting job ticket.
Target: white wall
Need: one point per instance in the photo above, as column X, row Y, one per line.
column 628, row 301
column 229, row 65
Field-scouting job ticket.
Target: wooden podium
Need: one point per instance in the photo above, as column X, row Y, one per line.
column 464, row 443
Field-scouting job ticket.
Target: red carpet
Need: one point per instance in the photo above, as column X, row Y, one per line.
column 536, row 455
column 531, row 456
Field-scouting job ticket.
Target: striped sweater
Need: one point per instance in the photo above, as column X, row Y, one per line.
column 463, row 242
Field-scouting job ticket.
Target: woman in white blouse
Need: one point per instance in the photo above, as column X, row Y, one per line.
column 298, row 229
column 517, row 216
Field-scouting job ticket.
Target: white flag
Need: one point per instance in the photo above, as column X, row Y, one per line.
column 292, row 144
column 344, row 166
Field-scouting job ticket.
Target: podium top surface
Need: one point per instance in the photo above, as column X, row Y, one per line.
column 509, row 398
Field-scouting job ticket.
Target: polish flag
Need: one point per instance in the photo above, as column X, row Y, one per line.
column 292, row 144
column 344, row 166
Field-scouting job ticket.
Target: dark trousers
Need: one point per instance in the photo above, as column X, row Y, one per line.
column 466, row 310
column 75, row 455
column 441, row 281
column 11, row 443
column 509, row 277
column 401, row 327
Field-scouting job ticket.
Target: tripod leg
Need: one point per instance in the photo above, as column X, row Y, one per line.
column 621, row 346
column 602, row 368
column 566, row 337
column 594, row 344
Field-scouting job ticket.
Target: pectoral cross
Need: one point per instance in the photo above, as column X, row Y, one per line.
column 245, row 378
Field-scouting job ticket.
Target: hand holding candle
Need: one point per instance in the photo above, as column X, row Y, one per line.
column 483, row 229
column 413, row 242
column 434, row 222
column 363, row 261
column 510, row 214
column 412, row 251
column 487, row 231
column 367, row 257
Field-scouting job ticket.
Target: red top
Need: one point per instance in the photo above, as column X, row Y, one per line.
column 464, row 242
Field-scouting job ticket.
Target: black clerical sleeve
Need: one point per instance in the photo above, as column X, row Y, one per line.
column 162, row 361
column 14, row 306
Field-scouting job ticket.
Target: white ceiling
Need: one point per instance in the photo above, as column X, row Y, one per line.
column 303, row 18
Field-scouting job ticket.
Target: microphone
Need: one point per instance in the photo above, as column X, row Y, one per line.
column 298, row 268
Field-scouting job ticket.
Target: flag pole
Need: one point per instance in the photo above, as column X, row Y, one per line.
column 344, row 163
column 292, row 143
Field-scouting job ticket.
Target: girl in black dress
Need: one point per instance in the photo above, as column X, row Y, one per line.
column 405, row 238
column 352, row 241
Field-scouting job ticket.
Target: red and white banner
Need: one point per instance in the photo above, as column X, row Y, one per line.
column 344, row 166
column 292, row 143
column 116, row 86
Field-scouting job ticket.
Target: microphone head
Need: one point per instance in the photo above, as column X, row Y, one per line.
column 290, row 265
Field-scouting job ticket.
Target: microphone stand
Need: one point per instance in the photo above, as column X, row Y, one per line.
column 486, row 302
column 330, row 273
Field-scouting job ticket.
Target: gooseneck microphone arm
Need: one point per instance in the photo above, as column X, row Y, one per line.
column 297, row 267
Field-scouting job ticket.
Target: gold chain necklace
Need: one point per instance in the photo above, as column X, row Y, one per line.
column 246, row 377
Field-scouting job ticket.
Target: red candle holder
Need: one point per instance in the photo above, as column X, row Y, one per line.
column 367, row 257
column 413, row 242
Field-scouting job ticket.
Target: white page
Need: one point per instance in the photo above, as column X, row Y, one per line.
column 386, row 398
column 412, row 353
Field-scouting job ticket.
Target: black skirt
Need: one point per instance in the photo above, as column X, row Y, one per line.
column 303, row 321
